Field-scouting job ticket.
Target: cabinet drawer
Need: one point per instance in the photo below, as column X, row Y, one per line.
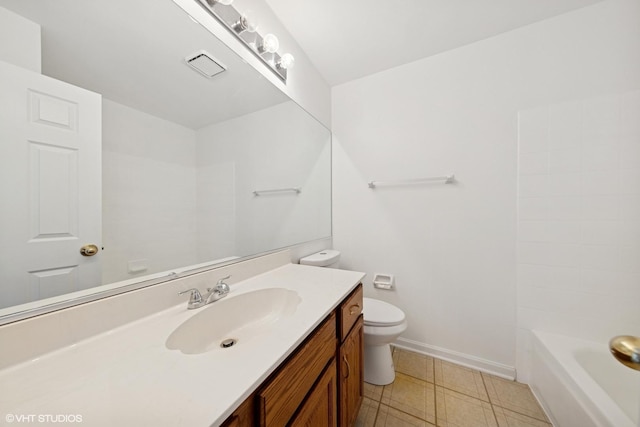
column 280, row 398
column 350, row 310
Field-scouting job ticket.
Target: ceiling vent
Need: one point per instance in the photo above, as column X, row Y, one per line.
column 204, row 63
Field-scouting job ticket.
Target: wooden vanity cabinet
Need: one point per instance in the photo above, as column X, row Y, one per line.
column 320, row 384
column 351, row 360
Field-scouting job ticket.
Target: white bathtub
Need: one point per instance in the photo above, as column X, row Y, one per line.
column 581, row 385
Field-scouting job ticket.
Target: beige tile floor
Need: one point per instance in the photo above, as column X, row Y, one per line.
column 432, row 392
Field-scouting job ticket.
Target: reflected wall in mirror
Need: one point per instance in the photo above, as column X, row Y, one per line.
column 117, row 142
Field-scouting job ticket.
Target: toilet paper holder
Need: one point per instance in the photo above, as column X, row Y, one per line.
column 383, row 281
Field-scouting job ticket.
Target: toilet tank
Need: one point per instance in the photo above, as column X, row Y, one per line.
column 327, row 258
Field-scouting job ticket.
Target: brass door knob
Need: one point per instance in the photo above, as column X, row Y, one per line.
column 89, row 250
column 626, row 349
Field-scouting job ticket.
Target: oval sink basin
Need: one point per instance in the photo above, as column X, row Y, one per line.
column 238, row 318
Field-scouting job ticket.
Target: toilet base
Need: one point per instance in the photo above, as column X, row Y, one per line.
column 378, row 365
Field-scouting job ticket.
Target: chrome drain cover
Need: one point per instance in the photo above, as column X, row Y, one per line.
column 229, row 342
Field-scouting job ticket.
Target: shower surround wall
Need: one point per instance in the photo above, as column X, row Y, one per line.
column 453, row 247
column 579, row 220
column 149, row 193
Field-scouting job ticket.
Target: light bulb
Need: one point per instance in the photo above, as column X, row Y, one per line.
column 270, row 43
column 287, row 61
column 246, row 23
column 251, row 23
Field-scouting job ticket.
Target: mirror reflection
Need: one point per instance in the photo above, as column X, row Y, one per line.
column 113, row 140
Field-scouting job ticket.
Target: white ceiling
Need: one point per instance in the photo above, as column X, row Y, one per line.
column 137, row 58
column 348, row 39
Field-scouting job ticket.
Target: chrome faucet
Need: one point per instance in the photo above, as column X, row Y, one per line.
column 196, row 300
column 220, row 290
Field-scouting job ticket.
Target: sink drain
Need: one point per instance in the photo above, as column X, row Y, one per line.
column 228, row 343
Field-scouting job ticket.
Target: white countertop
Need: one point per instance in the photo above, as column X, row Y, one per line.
column 128, row 377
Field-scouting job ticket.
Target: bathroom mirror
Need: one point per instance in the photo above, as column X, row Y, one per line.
column 192, row 171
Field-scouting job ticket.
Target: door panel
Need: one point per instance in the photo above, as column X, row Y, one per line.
column 53, row 192
column 53, row 282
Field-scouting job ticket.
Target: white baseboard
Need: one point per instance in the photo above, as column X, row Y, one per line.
column 493, row 368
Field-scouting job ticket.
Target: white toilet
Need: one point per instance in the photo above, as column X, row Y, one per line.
column 383, row 323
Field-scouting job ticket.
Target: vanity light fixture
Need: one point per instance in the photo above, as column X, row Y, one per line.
column 244, row 27
column 247, row 22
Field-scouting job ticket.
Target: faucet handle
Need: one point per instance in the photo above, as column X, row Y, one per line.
column 221, row 281
column 195, row 299
column 221, row 286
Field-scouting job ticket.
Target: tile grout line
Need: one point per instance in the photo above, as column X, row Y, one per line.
column 375, row 419
column 435, row 392
column 404, row 412
column 510, row 409
column 486, row 390
column 520, row 413
column 451, row 389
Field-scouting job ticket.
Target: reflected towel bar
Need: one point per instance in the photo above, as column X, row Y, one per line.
column 297, row 190
column 449, row 179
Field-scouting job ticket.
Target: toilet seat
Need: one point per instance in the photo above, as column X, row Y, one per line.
column 380, row 313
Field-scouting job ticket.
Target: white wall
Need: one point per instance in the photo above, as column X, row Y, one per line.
column 205, row 209
column 142, row 154
column 278, row 147
column 20, row 41
column 305, row 84
column 453, row 248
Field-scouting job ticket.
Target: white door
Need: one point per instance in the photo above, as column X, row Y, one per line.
column 50, row 186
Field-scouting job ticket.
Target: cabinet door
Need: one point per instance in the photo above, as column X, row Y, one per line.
column 243, row 416
column 351, row 374
column 319, row 409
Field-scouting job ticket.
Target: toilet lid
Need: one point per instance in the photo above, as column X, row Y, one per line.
column 380, row 313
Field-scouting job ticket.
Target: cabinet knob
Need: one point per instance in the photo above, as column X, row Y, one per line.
column 354, row 309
